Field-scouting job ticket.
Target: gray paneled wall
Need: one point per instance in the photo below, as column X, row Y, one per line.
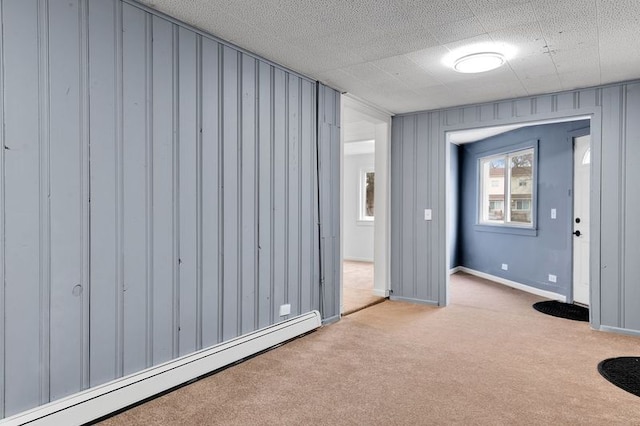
column 418, row 171
column 329, row 158
column 159, row 194
column 418, row 178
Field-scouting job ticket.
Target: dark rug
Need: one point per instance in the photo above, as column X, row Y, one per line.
column 563, row 310
column 624, row 372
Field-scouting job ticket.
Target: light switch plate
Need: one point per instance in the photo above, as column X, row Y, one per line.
column 427, row 214
column 552, row 278
column 553, row 213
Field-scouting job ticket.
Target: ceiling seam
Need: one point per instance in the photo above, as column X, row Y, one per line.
column 595, row 3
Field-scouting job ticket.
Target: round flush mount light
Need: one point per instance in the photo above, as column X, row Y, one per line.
column 479, row 62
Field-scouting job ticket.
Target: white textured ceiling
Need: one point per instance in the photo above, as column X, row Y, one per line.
column 390, row 52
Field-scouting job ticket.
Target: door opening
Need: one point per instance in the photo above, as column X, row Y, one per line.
column 364, row 207
column 495, row 253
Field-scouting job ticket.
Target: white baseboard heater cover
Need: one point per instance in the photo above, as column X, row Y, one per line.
column 102, row 400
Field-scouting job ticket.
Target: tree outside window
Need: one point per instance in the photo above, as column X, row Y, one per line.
column 367, row 191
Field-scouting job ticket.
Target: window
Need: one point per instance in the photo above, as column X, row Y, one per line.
column 507, row 180
column 367, row 186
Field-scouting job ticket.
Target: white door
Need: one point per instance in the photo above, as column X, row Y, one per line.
column 581, row 188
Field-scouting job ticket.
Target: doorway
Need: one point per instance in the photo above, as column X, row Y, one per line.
column 365, row 134
column 493, row 251
column 581, row 220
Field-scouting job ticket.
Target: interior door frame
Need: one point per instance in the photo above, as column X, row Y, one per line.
column 382, row 226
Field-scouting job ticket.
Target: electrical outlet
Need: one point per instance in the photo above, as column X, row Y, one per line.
column 285, row 310
column 505, row 267
column 427, row 214
column 552, row 278
column 553, row 213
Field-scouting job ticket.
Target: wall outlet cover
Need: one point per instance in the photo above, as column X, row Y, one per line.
column 552, row 278
column 505, row 267
column 285, row 310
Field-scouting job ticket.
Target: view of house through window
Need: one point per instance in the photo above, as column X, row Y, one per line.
column 506, row 188
column 367, row 185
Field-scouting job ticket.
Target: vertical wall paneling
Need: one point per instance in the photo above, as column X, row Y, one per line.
column 134, row 197
column 67, row 200
column 22, row 197
column 424, row 199
column 45, row 206
column 148, row 209
column 611, row 157
column 158, row 194
column 231, row 188
column 187, row 190
column 85, row 184
column 199, row 195
column 631, row 207
column 175, row 193
column 2, row 219
column 211, row 194
column 162, row 209
column 306, row 281
column 104, row 134
column 279, row 253
column 248, row 192
column 438, row 235
column 265, row 194
column 293, row 195
column 335, row 161
column 119, row 189
column 396, row 243
column 408, row 281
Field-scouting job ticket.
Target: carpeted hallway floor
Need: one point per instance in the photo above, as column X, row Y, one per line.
column 489, row 358
column 357, row 286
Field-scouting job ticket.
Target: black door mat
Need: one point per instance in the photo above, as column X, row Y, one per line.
column 563, row 310
column 624, row 372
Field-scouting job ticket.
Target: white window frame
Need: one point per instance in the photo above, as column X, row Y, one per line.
column 483, row 204
column 362, row 209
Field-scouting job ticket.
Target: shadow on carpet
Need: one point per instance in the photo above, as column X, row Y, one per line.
column 624, row 372
column 563, row 310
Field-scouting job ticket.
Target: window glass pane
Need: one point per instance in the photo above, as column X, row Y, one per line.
column 506, row 188
column 492, row 189
column 369, row 192
column 521, row 187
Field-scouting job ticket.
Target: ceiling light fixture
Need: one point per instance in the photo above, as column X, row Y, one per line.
column 479, row 62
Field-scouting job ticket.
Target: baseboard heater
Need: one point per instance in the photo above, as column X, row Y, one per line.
column 105, row 399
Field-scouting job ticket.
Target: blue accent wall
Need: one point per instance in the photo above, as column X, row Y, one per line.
column 454, row 206
column 530, row 258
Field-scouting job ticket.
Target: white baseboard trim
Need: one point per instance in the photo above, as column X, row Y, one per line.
column 380, row 293
column 105, row 399
column 513, row 284
column 454, row 270
column 357, row 259
column 412, row 300
column 618, row 330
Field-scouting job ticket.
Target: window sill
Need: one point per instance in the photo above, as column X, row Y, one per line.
column 365, row 222
column 506, row 229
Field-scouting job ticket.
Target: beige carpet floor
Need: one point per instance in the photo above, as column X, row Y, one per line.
column 357, row 286
column 487, row 359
